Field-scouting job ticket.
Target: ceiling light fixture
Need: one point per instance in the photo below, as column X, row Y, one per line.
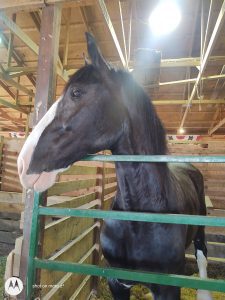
column 165, row 17
column 181, row 130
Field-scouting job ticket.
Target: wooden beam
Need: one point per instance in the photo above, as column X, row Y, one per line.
column 84, row 19
column 27, row 40
column 10, row 44
column 17, row 58
column 186, row 88
column 17, row 5
column 18, row 74
column 45, row 95
column 171, row 102
column 36, row 19
column 11, row 105
column 7, row 89
column 21, row 69
column 108, row 21
column 216, row 91
column 217, row 126
column 65, row 54
column 184, row 102
column 15, row 121
column 18, row 32
column 215, row 33
column 6, row 78
column 213, row 77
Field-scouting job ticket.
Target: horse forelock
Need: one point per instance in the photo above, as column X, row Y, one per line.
column 88, row 74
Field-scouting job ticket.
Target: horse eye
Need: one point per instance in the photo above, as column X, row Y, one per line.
column 76, row 93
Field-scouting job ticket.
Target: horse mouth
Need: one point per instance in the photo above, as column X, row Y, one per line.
column 39, row 182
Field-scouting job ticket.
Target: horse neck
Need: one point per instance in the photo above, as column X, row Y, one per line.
column 141, row 186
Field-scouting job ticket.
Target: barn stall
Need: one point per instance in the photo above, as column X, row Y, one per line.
column 42, row 44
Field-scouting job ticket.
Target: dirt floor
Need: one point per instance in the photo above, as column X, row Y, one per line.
column 139, row 292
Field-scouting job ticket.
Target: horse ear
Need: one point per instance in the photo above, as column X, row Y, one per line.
column 86, row 61
column 95, row 53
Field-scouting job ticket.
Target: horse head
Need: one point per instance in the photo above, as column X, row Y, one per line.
column 87, row 118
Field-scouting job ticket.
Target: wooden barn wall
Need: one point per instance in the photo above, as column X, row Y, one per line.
column 84, row 185
column 10, row 149
column 213, row 173
column 10, row 195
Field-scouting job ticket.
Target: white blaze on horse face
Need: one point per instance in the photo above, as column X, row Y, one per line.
column 202, row 266
column 40, row 182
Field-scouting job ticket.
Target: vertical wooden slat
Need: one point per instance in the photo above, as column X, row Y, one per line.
column 1, row 159
column 45, row 94
column 96, row 234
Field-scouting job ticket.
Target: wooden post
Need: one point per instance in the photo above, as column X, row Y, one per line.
column 1, row 159
column 45, row 94
column 96, row 237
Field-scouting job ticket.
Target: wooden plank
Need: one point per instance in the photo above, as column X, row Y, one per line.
column 81, row 170
column 109, row 188
column 11, row 216
column 8, row 237
column 11, row 180
column 11, row 207
column 17, row 254
column 214, row 249
column 82, row 288
column 17, row 5
column 10, row 197
column 9, row 225
column 69, row 282
column 10, row 174
column 62, row 231
column 77, row 201
column 64, row 187
column 11, row 105
column 73, row 254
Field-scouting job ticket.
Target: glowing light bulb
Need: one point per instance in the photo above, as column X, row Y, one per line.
column 165, row 17
column 181, row 130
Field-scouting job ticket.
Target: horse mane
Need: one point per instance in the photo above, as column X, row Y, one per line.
column 137, row 101
column 141, row 108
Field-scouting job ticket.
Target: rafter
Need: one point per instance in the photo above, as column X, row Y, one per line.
column 11, row 105
column 17, row 58
column 66, row 49
column 215, row 33
column 216, row 91
column 107, row 18
column 7, row 89
column 36, row 19
column 15, row 121
column 184, row 102
column 27, row 40
column 84, row 19
column 15, row 5
column 177, row 82
column 217, row 126
column 189, row 61
column 6, row 78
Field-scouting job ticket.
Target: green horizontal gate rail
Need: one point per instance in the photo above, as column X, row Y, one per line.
column 167, row 279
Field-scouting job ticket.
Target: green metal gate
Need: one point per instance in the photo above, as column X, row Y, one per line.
column 167, row 279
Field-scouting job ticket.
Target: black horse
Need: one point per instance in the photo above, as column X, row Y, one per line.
column 103, row 108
